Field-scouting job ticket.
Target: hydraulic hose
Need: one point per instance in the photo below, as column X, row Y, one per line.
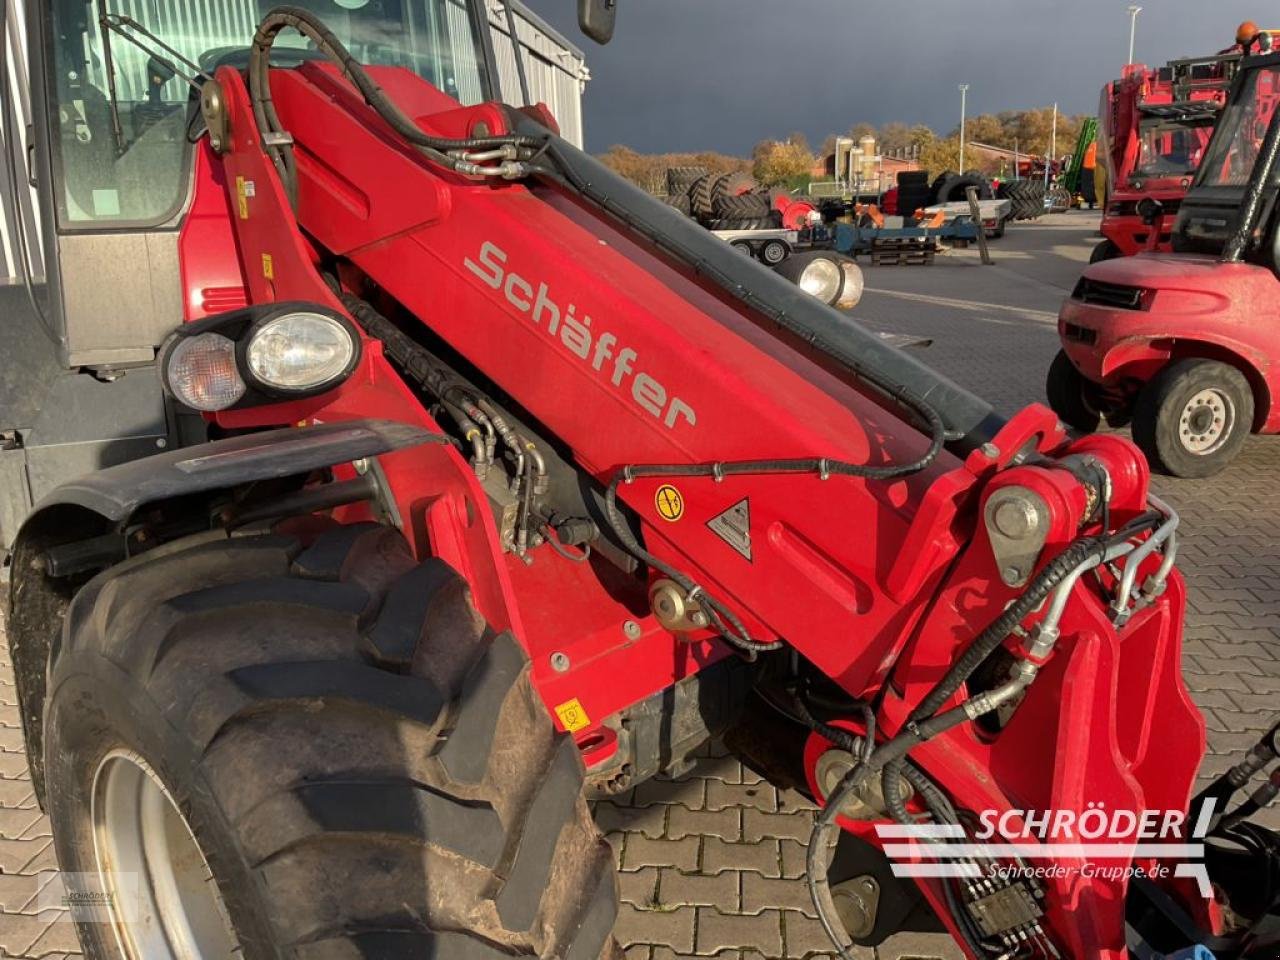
column 314, row 29
column 922, row 724
column 729, row 625
column 825, row 832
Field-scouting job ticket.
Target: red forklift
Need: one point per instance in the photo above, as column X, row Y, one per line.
column 1155, row 127
column 1180, row 343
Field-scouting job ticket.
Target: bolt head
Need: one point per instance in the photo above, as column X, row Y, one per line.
column 560, row 662
column 632, row 630
column 1017, row 518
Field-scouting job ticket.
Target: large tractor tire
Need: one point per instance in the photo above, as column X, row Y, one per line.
column 679, row 201
column 747, row 206
column 1027, row 198
column 680, row 179
column 938, row 183
column 315, row 749
column 700, row 197
column 952, row 187
column 732, row 185
column 1065, row 389
column 913, row 197
column 1193, row 417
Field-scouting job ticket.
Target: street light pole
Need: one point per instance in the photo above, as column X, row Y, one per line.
column 1134, row 10
column 964, row 94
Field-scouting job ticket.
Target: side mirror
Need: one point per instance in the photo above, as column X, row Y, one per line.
column 596, row 18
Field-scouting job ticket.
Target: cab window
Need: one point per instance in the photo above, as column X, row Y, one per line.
column 122, row 159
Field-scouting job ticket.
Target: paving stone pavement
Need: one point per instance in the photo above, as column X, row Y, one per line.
column 711, row 864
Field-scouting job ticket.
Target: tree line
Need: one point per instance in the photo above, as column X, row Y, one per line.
column 791, row 161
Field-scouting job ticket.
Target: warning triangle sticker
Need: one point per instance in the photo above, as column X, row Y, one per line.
column 734, row 527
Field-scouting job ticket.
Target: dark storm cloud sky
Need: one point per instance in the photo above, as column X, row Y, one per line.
column 724, row 74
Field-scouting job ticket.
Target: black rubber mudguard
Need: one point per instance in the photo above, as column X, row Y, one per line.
column 117, row 492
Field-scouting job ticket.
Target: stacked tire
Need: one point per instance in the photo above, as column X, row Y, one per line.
column 680, row 179
column 914, row 192
column 679, row 201
column 725, row 201
column 953, row 187
column 744, row 206
column 1026, row 198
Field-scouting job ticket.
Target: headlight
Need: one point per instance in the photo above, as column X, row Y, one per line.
column 259, row 355
column 299, row 352
column 851, row 293
column 822, row 279
column 201, row 371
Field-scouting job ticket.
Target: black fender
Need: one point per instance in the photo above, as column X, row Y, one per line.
column 103, row 502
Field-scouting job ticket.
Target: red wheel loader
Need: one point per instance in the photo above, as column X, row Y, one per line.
column 490, row 483
column 1155, row 126
column 1181, row 344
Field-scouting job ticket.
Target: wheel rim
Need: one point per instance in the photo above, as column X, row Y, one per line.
column 148, row 858
column 774, row 253
column 1206, row 422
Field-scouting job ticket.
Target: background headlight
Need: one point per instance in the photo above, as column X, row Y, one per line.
column 299, row 352
column 851, row 293
column 822, row 279
column 201, row 372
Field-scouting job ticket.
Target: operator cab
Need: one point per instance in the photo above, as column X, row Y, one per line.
column 1170, row 149
column 114, row 88
column 1214, row 210
column 123, row 111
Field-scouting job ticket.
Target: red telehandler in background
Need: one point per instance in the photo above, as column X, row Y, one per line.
column 1155, row 127
column 512, row 484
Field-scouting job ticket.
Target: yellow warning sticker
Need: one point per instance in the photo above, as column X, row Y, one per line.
column 572, row 716
column 268, row 266
column 243, row 194
column 670, row 503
